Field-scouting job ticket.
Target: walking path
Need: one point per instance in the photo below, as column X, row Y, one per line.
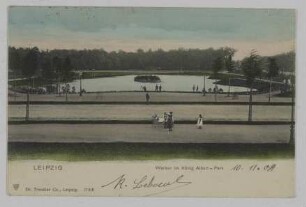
column 182, row 133
column 145, row 112
column 122, row 97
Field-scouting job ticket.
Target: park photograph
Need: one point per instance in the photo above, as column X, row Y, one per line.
column 149, row 84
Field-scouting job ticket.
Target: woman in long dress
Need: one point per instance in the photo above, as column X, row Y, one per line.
column 170, row 122
column 200, row 122
column 165, row 120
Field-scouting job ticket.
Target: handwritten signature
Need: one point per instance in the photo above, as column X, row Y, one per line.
column 147, row 182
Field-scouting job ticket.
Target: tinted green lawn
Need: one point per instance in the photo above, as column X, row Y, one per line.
column 145, row 151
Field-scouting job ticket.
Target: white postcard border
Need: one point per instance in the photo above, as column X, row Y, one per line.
column 300, row 199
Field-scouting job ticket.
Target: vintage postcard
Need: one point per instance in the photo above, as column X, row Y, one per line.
column 151, row 101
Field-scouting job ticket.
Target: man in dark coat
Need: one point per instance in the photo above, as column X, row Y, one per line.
column 147, row 98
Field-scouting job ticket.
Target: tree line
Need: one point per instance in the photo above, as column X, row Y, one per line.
column 58, row 64
column 30, row 61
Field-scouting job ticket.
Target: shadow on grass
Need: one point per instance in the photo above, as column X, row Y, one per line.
column 145, row 151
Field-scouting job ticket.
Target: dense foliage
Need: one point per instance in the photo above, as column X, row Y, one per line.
column 99, row 59
column 57, row 64
column 147, row 79
column 252, row 68
column 273, row 69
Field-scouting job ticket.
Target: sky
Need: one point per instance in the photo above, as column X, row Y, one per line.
column 269, row 31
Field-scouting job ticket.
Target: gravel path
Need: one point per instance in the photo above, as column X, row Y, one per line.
column 136, row 112
column 140, row 97
column 181, row 133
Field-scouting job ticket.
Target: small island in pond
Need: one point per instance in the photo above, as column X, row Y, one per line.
column 147, row 79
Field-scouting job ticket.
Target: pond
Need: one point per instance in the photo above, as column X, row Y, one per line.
column 182, row 83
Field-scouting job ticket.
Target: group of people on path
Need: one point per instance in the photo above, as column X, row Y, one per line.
column 168, row 121
column 210, row 90
column 195, row 89
column 158, row 88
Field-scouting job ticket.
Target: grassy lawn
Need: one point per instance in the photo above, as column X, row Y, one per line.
column 145, row 151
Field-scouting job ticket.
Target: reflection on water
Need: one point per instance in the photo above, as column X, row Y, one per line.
column 168, row 83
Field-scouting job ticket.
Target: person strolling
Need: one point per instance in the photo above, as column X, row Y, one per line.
column 200, row 122
column 147, row 98
column 170, row 122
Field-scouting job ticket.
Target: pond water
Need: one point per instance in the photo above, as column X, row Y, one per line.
column 168, row 83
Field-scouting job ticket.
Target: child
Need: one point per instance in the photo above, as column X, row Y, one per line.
column 200, row 122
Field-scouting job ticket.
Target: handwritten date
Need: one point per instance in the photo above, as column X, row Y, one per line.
column 255, row 167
